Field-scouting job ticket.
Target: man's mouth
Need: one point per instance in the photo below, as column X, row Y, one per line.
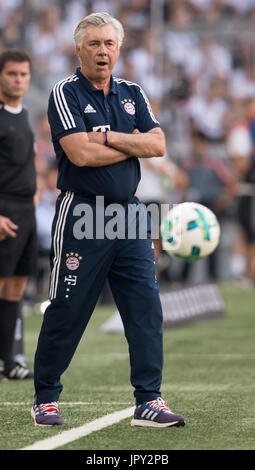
column 101, row 63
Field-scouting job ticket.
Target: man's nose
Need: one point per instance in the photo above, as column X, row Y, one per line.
column 18, row 79
column 102, row 49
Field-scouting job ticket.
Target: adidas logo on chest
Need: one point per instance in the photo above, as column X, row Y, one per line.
column 89, row 109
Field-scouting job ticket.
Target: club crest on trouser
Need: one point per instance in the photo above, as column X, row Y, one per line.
column 129, row 106
column 73, row 261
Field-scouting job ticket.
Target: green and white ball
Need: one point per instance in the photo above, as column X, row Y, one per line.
column 190, row 231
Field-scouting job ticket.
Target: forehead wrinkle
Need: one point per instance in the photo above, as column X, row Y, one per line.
column 96, row 33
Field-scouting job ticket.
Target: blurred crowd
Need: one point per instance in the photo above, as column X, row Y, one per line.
column 195, row 59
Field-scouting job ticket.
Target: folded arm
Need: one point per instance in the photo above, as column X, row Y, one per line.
column 139, row 144
column 83, row 152
column 88, row 149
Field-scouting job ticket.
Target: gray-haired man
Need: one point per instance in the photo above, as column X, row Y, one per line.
column 100, row 126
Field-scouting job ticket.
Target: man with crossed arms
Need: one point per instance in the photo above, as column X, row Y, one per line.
column 100, row 126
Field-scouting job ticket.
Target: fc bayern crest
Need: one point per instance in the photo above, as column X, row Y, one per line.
column 129, row 106
column 73, row 261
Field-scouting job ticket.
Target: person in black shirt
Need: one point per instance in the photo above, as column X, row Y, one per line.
column 17, row 189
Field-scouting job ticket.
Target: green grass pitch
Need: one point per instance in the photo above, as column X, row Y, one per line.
column 208, row 376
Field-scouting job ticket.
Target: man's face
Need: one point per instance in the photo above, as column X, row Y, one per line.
column 99, row 52
column 14, row 80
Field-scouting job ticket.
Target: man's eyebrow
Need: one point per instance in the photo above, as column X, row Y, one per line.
column 100, row 40
column 17, row 72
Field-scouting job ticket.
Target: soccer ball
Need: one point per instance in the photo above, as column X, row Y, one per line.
column 190, row 231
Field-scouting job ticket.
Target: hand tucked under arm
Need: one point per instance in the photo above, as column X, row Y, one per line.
column 139, row 144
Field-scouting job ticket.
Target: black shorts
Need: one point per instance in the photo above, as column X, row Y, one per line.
column 246, row 217
column 18, row 255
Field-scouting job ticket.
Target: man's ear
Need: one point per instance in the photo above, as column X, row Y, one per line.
column 77, row 50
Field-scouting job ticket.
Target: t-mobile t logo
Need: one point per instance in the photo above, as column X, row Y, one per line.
column 102, row 128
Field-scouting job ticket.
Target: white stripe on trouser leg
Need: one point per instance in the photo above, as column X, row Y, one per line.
column 58, row 242
column 61, row 236
column 62, row 209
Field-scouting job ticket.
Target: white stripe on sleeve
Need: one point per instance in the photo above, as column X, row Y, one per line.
column 62, row 107
column 121, row 80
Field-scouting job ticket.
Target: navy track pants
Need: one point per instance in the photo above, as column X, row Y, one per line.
column 79, row 269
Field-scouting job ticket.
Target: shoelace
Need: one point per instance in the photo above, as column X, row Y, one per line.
column 160, row 404
column 49, row 408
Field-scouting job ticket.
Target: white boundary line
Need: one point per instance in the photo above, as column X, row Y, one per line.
column 76, row 433
column 65, row 403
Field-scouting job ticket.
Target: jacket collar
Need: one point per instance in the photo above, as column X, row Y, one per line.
column 88, row 85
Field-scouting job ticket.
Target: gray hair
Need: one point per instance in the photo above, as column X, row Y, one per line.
column 98, row 19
